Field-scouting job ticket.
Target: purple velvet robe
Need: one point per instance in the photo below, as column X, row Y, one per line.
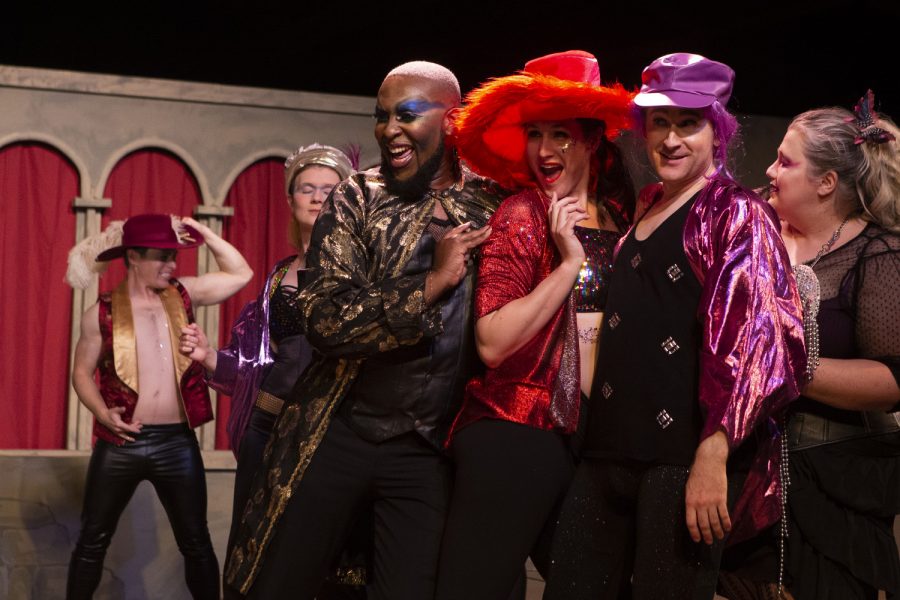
column 752, row 355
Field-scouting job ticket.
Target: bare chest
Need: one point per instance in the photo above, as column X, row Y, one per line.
column 152, row 338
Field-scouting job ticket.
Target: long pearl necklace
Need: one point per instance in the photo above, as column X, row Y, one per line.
column 810, row 296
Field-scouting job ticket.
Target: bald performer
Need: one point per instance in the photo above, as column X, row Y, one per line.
column 388, row 304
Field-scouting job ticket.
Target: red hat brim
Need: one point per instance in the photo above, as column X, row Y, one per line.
column 118, row 251
column 489, row 133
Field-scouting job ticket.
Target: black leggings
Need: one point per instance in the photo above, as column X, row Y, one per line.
column 510, row 481
column 167, row 456
column 626, row 522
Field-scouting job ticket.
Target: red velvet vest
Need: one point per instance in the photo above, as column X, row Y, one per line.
column 118, row 358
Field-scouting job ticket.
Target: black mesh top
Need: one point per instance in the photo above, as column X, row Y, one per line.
column 860, row 284
column 859, row 316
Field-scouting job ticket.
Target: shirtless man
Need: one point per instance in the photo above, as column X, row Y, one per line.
column 150, row 397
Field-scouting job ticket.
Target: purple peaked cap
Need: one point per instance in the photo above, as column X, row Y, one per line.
column 685, row 80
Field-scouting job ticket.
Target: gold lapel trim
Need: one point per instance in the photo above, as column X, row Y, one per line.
column 173, row 304
column 123, row 342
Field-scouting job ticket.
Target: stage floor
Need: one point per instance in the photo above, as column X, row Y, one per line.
column 40, row 506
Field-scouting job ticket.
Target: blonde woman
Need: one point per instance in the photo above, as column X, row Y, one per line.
column 835, row 184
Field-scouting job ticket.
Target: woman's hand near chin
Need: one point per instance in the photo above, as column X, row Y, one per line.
column 563, row 215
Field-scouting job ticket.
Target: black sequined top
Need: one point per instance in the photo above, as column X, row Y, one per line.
column 284, row 318
column 593, row 280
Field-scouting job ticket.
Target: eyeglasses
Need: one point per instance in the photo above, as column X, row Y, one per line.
column 160, row 254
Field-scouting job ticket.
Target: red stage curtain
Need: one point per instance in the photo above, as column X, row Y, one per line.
column 37, row 228
column 259, row 229
column 151, row 180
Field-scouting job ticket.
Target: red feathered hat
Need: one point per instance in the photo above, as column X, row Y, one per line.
column 489, row 130
column 153, row 231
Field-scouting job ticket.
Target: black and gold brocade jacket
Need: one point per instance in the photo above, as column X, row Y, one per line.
column 357, row 303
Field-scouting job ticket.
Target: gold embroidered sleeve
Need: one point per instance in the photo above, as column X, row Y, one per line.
column 348, row 311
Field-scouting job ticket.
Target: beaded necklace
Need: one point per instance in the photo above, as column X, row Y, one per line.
column 810, row 296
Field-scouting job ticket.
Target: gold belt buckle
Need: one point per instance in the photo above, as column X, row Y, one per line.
column 269, row 403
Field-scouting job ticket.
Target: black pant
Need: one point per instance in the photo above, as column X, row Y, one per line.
column 167, row 456
column 510, row 481
column 404, row 481
column 250, row 457
column 625, row 522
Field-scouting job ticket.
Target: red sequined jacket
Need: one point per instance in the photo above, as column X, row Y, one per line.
column 539, row 384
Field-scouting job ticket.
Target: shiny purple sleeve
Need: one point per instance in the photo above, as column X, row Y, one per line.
column 242, row 364
column 244, row 342
column 752, row 354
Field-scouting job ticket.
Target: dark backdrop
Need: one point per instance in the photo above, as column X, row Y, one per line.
column 789, row 55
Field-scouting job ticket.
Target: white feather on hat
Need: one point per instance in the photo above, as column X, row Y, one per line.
column 83, row 265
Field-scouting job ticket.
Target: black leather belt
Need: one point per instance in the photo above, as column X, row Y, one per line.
column 806, row 430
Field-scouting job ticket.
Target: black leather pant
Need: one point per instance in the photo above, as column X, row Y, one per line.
column 167, row 456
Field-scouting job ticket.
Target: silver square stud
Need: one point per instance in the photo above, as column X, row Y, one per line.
column 614, row 320
column 636, row 260
column 674, row 273
column 670, row 346
column 606, row 390
column 664, row 419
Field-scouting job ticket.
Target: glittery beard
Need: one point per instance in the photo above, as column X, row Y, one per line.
column 420, row 182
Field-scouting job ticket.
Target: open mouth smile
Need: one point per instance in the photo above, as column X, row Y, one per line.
column 672, row 157
column 551, row 172
column 400, row 155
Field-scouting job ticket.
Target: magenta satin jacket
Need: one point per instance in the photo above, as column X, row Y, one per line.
column 753, row 357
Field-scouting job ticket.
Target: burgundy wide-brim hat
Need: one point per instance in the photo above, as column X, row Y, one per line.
column 153, row 231
column 489, row 130
column 685, row 80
